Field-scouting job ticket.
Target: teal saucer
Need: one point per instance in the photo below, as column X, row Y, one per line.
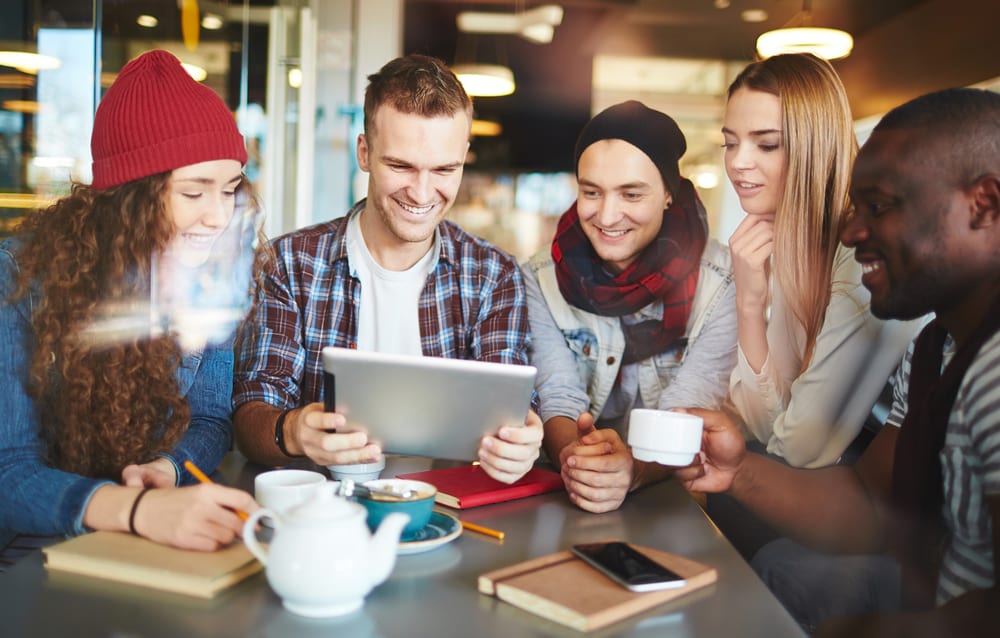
column 441, row 529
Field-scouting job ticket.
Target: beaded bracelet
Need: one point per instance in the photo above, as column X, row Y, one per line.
column 135, row 507
column 279, row 435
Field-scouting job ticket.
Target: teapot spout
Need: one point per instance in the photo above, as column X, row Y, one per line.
column 382, row 552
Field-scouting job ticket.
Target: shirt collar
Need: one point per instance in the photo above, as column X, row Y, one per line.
column 446, row 239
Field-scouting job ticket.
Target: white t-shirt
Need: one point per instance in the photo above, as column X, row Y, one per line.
column 388, row 319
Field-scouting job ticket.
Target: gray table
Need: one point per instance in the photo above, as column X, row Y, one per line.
column 430, row 594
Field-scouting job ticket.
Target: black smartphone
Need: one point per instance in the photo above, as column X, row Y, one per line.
column 628, row 566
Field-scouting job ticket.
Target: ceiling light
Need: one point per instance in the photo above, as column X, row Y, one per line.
column 295, row 77
column 16, row 81
column 485, row 80
column 799, row 36
column 146, row 20
column 195, row 71
column 753, row 15
column 706, row 178
column 22, row 106
column 829, row 44
column 29, row 62
column 211, row 21
column 24, row 200
column 486, row 128
column 53, row 162
column 537, row 25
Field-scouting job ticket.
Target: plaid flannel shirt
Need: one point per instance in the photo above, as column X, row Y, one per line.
column 471, row 307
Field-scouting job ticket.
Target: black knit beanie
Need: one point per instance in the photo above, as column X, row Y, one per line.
column 652, row 132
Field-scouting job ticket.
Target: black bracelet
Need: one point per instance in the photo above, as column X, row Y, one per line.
column 135, row 507
column 279, row 435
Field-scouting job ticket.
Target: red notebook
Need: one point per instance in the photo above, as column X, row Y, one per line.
column 470, row 486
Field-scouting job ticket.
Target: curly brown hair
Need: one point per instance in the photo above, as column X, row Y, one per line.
column 100, row 408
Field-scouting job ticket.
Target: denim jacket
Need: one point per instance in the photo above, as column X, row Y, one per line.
column 38, row 499
column 578, row 354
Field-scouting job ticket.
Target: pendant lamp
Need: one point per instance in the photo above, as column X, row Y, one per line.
column 800, row 37
column 485, row 80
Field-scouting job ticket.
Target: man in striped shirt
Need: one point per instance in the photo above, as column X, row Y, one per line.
column 926, row 230
column 391, row 276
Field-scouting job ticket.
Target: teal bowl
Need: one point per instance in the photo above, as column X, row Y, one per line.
column 418, row 508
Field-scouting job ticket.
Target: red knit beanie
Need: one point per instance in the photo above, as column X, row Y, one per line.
column 155, row 118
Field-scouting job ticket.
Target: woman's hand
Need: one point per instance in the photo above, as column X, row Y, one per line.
column 200, row 517
column 157, row 473
column 751, row 246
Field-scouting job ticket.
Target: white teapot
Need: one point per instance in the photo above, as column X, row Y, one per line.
column 323, row 561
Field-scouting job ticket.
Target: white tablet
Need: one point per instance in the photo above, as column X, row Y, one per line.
column 426, row 406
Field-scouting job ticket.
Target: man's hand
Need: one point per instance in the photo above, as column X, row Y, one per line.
column 511, row 452
column 597, row 468
column 157, row 473
column 319, row 435
column 723, row 450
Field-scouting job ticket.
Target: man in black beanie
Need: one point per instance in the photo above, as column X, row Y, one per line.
column 633, row 306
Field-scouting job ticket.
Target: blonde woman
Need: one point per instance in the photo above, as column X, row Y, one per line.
column 812, row 359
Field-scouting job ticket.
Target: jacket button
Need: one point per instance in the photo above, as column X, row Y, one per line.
column 611, row 361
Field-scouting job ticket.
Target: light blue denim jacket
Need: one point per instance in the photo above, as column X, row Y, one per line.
column 578, row 353
column 38, row 499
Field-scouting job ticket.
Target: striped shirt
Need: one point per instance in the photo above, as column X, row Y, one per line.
column 471, row 307
column 970, row 462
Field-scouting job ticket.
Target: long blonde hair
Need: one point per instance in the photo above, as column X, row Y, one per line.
column 820, row 147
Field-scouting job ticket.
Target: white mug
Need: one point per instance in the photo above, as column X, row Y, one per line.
column 664, row 436
column 357, row 472
column 279, row 490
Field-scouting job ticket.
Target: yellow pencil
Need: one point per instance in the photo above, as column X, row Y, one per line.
column 497, row 534
column 201, row 476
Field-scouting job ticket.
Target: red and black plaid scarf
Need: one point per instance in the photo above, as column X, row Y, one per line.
column 917, row 477
column 666, row 270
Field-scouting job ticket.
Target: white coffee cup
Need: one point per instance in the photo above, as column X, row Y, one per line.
column 664, row 436
column 357, row 472
column 279, row 490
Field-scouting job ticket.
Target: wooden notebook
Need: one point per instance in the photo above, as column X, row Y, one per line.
column 139, row 561
column 563, row 588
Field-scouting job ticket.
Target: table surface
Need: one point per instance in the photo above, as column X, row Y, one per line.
column 428, row 594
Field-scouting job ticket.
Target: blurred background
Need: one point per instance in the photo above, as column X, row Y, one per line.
column 293, row 72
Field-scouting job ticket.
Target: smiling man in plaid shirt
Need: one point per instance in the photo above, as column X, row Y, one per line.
column 391, row 276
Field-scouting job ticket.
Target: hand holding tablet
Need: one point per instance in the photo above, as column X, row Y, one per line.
column 427, row 406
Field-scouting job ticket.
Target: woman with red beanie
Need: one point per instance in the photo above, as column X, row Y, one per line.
column 95, row 433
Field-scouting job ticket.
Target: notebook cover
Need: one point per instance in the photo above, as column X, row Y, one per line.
column 135, row 560
column 470, row 486
column 564, row 589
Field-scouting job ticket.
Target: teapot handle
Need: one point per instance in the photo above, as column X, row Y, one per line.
column 250, row 532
